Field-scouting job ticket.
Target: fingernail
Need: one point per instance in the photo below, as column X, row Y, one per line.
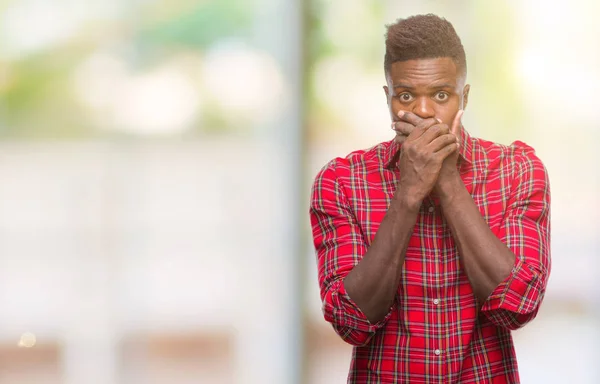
column 393, row 126
column 401, row 113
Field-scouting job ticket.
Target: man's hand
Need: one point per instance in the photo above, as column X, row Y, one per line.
column 405, row 127
column 449, row 172
column 423, row 153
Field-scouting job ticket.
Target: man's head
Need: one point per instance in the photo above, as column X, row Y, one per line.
column 425, row 68
column 423, row 37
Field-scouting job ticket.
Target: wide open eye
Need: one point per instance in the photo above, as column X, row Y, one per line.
column 405, row 97
column 442, row 96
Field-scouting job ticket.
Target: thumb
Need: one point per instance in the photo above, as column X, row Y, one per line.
column 455, row 130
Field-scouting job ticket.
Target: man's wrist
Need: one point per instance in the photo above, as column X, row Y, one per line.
column 449, row 187
column 407, row 199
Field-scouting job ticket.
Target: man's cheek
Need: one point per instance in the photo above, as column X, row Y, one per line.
column 446, row 119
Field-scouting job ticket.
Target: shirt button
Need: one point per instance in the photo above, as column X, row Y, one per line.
column 436, row 301
column 431, row 209
column 437, row 352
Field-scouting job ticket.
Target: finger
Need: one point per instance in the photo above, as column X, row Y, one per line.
column 409, row 117
column 433, row 132
column 440, row 142
column 400, row 139
column 456, row 123
column 402, row 128
column 446, row 150
column 423, row 127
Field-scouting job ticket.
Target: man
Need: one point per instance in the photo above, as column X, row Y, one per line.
column 433, row 246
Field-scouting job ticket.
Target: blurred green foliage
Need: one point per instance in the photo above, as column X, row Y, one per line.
column 36, row 93
column 199, row 25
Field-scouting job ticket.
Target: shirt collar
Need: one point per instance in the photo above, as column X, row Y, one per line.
column 392, row 152
column 466, row 147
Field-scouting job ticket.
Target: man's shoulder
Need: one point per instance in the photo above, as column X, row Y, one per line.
column 516, row 152
column 358, row 160
column 519, row 160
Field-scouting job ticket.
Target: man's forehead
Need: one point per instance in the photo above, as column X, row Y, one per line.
column 429, row 71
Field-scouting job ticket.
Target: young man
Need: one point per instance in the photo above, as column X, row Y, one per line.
column 433, row 246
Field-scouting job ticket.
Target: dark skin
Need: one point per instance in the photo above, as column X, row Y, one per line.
column 426, row 98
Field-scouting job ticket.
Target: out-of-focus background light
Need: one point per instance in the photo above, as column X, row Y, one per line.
column 156, row 158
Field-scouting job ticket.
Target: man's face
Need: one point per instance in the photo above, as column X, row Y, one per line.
column 427, row 88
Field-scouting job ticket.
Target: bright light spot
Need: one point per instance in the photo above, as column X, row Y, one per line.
column 162, row 101
column 530, row 68
column 246, row 83
column 27, row 26
column 27, row 340
column 32, row 25
column 97, row 82
column 537, row 71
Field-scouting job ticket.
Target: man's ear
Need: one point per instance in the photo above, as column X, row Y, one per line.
column 466, row 90
column 385, row 90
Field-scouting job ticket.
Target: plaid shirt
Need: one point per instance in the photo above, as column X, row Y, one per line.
column 435, row 331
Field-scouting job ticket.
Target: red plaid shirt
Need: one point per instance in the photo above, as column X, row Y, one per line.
column 435, row 331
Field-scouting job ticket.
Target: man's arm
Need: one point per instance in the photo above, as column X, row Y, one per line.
column 508, row 271
column 358, row 286
column 486, row 260
column 373, row 283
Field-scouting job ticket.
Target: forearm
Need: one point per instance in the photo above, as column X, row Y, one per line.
column 373, row 283
column 487, row 262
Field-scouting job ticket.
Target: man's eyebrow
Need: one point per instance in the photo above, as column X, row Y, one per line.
column 435, row 86
column 443, row 85
column 400, row 85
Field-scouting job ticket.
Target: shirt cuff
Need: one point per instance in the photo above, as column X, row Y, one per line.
column 345, row 313
column 518, row 293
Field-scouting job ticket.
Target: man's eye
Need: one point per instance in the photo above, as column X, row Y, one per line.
column 405, row 97
column 442, row 96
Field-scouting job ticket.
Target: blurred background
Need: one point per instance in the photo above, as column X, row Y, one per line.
column 156, row 159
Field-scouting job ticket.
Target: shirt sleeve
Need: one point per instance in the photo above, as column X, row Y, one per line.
column 526, row 232
column 339, row 246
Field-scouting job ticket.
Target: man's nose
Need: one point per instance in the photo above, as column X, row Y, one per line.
column 423, row 108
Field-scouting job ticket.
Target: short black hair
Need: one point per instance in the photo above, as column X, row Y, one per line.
column 423, row 37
